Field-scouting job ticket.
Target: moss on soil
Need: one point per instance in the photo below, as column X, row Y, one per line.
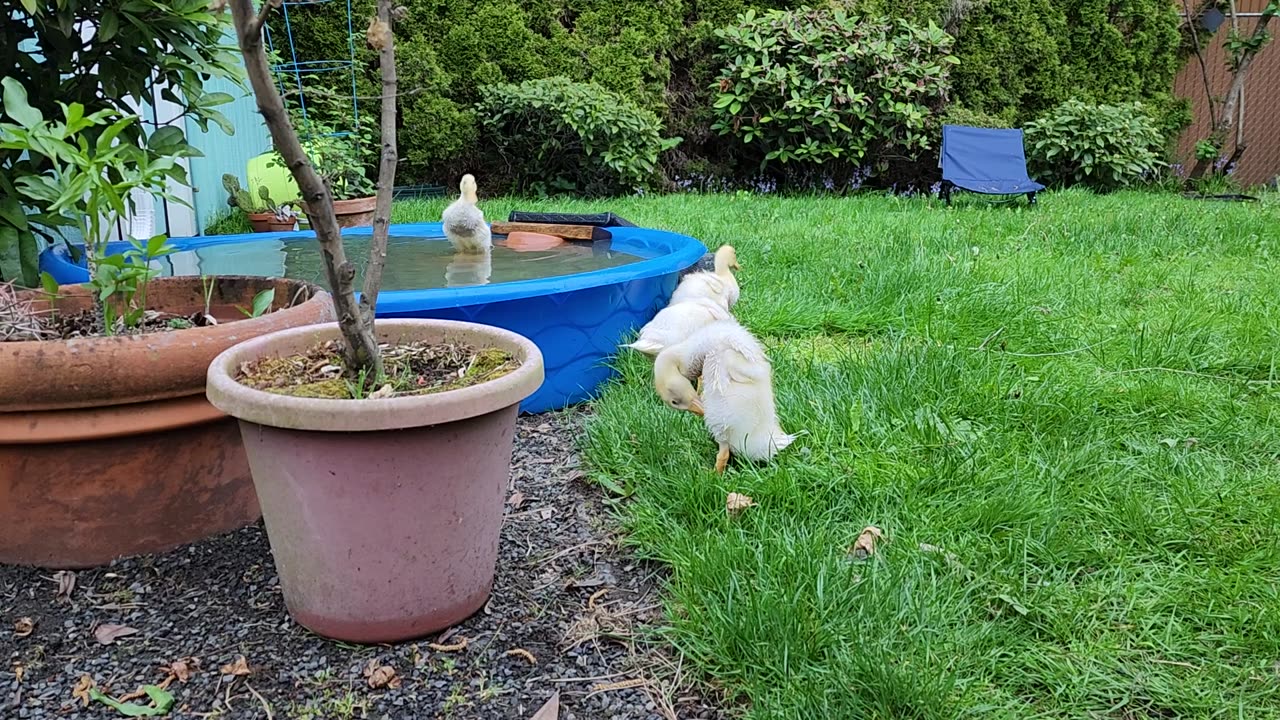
column 416, row 369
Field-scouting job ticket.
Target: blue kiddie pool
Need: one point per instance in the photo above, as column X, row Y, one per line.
column 577, row 301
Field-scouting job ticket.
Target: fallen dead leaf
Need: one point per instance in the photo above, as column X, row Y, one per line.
column 546, row 513
column 24, row 626
column 239, row 668
column 381, row 676
column 383, row 392
column 108, row 633
column 19, row 672
column 183, row 668
column 66, row 581
column 865, row 546
column 737, row 502
column 516, row 500
column 81, row 690
column 550, row 710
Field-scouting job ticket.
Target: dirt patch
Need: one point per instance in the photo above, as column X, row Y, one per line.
column 415, row 369
column 572, row 611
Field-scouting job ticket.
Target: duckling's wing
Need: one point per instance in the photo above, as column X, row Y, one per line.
column 729, row 365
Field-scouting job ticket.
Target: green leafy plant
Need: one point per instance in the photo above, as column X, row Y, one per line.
column 138, row 46
column 261, row 304
column 564, row 135
column 1101, row 146
column 120, row 281
column 342, row 159
column 88, row 185
column 814, row 85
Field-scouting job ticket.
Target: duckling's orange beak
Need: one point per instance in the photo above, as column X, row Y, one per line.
column 735, row 266
column 695, row 407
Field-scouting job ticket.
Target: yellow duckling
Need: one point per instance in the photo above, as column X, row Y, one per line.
column 720, row 285
column 677, row 322
column 464, row 223
column 737, row 401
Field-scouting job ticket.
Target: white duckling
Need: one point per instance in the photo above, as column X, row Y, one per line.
column 464, row 223
column 737, row 401
column 675, row 323
column 720, row 285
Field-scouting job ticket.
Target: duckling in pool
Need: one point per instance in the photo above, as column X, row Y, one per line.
column 737, row 402
column 464, row 223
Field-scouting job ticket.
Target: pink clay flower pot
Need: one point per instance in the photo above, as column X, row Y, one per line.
column 383, row 515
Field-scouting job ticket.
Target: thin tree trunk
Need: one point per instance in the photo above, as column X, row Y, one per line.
column 360, row 351
column 1227, row 113
column 380, row 33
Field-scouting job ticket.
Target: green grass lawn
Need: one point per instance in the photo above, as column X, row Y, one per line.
column 1079, row 404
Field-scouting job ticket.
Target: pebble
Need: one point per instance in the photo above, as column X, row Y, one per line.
column 220, row 598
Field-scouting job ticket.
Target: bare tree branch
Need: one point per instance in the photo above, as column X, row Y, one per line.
column 1227, row 113
column 1195, row 44
column 360, row 349
column 263, row 12
column 380, row 36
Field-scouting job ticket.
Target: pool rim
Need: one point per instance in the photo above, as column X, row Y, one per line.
column 675, row 252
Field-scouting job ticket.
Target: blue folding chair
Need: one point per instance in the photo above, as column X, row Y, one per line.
column 985, row 160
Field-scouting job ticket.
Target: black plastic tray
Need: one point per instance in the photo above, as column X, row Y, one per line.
column 594, row 219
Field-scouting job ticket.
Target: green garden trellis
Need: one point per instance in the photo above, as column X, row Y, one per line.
column 294, row 70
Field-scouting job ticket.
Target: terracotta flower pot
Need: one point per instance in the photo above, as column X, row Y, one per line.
column 352, row 213
column 280, row 226
column 383, row 515
column 108, row 447
column 260, row 222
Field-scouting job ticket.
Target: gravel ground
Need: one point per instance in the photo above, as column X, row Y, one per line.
column 569, row 613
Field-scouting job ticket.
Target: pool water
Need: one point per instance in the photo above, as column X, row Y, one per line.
column 413, row 263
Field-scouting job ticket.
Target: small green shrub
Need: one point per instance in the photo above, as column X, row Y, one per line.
column 1101, row 146
column 813, row 85
column 560, row 135
column 960, row 115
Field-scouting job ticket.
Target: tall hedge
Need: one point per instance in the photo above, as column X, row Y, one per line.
column 1018, row 58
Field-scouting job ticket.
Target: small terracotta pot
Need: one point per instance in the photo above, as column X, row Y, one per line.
column 383, row 515
column 108, row 447
column 352, row 213
column 260, row 222
column 278, row 226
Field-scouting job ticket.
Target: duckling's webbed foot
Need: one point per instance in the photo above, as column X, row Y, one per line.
column 722, row 458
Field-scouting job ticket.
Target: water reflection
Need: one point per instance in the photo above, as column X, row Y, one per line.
column 469, row 269
column 412, row 262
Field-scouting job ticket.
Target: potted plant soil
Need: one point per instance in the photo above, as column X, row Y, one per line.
column 380, row 452
column 108, row 445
